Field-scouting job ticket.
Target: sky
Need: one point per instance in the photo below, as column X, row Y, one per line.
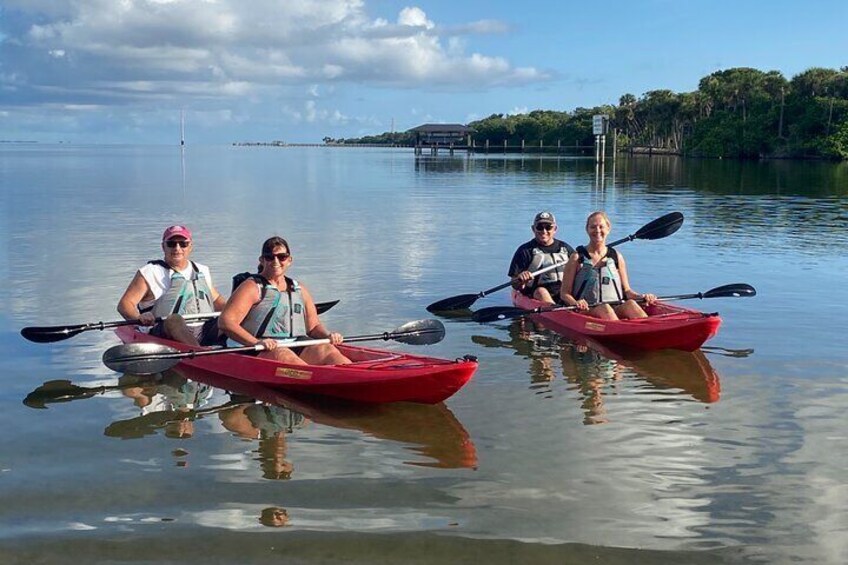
column 124, row 71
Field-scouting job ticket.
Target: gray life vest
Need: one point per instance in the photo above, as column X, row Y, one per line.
column 277, row 315
column 270, row 419
column 540, row 260
column 184, row 295
column 598, row 283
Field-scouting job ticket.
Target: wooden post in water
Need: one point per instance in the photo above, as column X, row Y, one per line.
column 614, row 143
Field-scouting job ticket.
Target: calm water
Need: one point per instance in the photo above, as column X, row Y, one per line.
column 552, row 453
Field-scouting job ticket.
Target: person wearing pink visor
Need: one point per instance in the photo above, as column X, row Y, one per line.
column 166, row 289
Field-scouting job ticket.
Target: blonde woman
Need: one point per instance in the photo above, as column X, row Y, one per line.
column 596, row 273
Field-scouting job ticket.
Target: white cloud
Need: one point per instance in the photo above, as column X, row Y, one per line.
column 414, row 17
column 231, row 47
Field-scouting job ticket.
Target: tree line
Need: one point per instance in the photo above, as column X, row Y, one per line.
column 738, row 113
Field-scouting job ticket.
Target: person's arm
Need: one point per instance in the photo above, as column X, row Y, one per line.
column 218, row 300
column 625, row 284
column 518, row 269
column 568, row 284
column 314, row 328
column 133, row 295
column 235, row 311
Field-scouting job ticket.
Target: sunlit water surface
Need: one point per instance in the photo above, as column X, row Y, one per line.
column 553, row 452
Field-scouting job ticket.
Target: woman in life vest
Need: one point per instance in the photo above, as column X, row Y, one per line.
column 162, row 291
column 271, row 306
column 596, row 273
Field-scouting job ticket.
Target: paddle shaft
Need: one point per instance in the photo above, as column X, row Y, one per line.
column 385, row 336
column 542, row 309
column 104, row 325
column 50, row 334
column 500, row 313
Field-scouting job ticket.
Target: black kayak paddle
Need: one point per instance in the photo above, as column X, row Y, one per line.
column 49, row 334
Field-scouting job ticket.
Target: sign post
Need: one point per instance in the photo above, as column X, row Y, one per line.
column 600, row 125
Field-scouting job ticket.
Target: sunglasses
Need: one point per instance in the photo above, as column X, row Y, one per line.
column 544, row 227
column 173, row 243
column 281, row 257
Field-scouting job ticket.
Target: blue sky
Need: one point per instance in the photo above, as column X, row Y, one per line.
column 120, row 71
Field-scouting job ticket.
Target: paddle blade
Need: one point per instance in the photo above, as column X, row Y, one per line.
column 322, row 307
column 140, row 358
column 420, row 332
column 57, row 391
column 735, row 290
column 661, row 227
column 50, row 334
column 460, row 302
column 495, row 313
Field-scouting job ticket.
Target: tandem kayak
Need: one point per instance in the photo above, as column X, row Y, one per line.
column 375, row 376
column 666, row 327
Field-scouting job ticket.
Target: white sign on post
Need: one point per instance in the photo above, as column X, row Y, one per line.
column 599, row 124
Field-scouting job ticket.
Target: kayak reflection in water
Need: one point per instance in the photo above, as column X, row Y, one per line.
column 597, row 273
column 269, row 424
column 595, row 370
column 271, row 306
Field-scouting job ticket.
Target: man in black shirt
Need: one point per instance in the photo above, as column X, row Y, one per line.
column 540, row 252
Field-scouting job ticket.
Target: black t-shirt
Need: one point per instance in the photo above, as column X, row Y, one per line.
column 524, row 254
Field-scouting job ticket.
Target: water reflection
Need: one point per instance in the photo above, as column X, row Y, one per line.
column 173, row 401
column 731, row 177
column 430, row 430
column 274, row 517
column 596, row 371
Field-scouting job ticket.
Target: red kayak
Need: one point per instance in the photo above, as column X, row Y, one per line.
column 666, row 327
column 375, row 375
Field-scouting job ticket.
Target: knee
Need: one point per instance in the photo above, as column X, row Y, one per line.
column 173, row 323
column 604, row 311
column 543, row 295
column 634, row 306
